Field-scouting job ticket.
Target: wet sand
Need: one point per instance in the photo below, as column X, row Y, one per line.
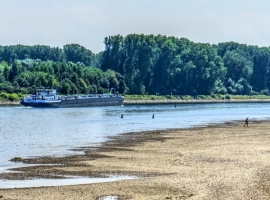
column 222, row 161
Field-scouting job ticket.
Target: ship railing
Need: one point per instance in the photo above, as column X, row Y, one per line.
column 85, row 96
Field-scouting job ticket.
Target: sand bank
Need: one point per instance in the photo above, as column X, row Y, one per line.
column 9, row 103
column 223, row 161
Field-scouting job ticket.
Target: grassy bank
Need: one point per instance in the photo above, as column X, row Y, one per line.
column 173, row 99
column 13, row 99
column 4, row 96
column 199, row 97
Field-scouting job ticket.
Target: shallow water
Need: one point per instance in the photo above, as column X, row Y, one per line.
column 56, row 182
column 31, row 132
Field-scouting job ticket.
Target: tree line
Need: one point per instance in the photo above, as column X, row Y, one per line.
column 138, row 64
column 70, row 53
column 24, row 76
column 165, row 65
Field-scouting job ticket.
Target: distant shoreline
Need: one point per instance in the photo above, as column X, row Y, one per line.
column 133, row 102
column 167, row 101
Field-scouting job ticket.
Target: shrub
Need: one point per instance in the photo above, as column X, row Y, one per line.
column 227, row 97
column 4, row 95
column 13, row 97
column 265, row 92
column 254, row 93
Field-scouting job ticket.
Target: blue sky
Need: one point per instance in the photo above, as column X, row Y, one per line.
column 88, row 22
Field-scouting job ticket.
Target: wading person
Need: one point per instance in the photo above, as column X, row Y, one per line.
column 246, row 123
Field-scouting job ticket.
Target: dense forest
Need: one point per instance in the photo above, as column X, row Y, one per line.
column 138, row 64
column 160, row 64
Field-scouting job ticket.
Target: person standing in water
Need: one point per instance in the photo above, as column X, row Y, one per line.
column 246, row 123
column 122, row 116
column 153, row 116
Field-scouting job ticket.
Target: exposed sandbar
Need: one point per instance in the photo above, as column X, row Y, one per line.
column 222, row 161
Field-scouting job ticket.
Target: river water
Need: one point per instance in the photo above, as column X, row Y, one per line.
column 31, row 132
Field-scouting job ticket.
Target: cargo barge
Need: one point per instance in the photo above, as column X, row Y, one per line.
column 49, row 98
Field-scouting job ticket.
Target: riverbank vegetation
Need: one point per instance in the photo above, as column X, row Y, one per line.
column 198, row 97
column 10, row 96
column 165, row 67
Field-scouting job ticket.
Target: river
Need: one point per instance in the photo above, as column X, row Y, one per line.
column 31, row 132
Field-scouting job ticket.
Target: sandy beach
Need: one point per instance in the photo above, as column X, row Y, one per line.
column 9, row 103
column 220, row 161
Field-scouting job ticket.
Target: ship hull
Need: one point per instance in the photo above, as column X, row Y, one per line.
column 86, row 102
column 40, row 105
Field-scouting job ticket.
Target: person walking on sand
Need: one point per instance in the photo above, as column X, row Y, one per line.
column 246, row 123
